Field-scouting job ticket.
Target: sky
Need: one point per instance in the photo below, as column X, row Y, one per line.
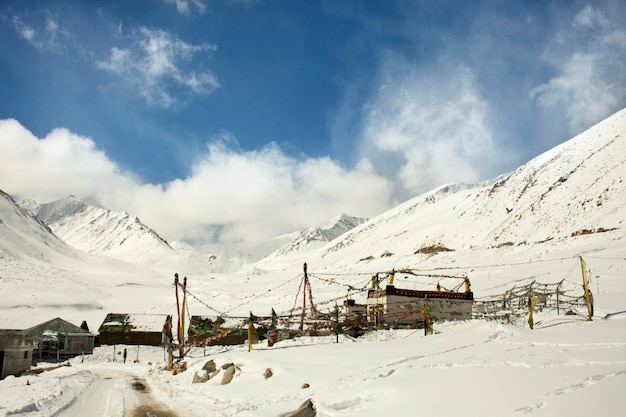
column 226, row 121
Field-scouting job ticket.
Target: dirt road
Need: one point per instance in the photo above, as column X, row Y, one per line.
column 115, row 394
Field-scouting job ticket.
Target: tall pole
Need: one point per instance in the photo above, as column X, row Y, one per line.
column 583, row 266
column 337, row 322
column 177, row 311
column 306, row 282
column 182, row 319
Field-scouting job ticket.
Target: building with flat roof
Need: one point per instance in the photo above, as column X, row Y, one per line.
column 16, row 353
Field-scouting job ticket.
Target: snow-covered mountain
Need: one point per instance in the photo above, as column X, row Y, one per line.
column 88, row 226
column 315, row 237
column 24, row 237
column 575, row 190
column 85, row 224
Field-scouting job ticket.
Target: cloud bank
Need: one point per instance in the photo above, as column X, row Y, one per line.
column 230, row 195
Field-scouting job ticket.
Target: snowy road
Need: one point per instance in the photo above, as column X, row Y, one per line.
column 116, row 394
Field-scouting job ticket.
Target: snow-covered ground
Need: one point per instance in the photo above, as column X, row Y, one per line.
column 565, row 366
column 570, row 367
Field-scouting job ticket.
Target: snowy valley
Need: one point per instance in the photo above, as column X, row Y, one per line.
column 78, row 260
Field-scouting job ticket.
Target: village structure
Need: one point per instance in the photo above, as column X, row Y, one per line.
column 135, row 329
column 16, row 353
column 386, row 306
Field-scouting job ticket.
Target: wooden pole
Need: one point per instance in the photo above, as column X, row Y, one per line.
column 182, row 319
column 306, row 282
column 179, row 336
column 337, row 322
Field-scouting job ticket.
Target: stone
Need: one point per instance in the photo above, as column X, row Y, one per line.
column 268, row 373
column 210, row 366
column 229, row 373
column 306, row 409
column 200, row 377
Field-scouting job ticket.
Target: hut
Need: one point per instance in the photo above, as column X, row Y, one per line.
column 16, row 353
column 58, row 338
column 135, row 329
column 206, row 331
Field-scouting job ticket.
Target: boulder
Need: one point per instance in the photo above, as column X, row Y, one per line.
column 200, row 377
column 306, row 409
column 210, row 366
column 268, row 373
column 228, row 375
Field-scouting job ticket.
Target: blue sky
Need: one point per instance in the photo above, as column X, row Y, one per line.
column 234, row 120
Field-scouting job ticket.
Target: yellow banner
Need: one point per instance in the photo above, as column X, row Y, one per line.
column 583, row 266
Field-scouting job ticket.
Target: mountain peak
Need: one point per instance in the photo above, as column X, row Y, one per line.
column 317, row 236
column 87, row 225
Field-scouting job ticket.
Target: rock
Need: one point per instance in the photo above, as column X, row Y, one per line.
column 268, row 373
column 306, row 409
column 179, row 367
column 200, row 377
column 305, row 385
column 227, row 365
column 228, row 375
column 210, row 366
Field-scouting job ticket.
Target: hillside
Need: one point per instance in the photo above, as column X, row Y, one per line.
column 24, row 238
column 575, row 190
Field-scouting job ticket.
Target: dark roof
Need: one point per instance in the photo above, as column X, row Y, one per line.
column 391, row 290
column 58, row 326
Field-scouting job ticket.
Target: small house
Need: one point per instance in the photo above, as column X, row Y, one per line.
column 58, row 338
column 135, row 329
column 16, row 353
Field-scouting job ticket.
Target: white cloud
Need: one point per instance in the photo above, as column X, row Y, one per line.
column 259, row 194
column 185, row 6
column 431, row 125
column 589, row 17
column 58, row 165
column 580, row 87
column 157, row 65
column 50, row 37
column 588, row 59
column 229, row 194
